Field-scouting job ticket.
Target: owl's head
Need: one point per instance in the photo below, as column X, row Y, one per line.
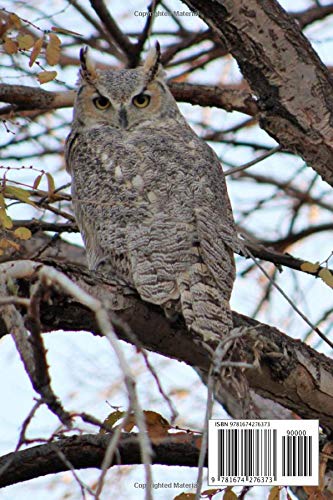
column 123, row 99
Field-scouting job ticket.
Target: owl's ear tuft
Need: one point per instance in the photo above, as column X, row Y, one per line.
column 152, row 65
column 87, row 71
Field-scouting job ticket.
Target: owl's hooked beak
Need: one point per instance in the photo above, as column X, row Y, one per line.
column 123, row 122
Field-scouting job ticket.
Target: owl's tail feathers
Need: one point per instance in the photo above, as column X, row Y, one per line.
column 205, row 308
column 207, row 314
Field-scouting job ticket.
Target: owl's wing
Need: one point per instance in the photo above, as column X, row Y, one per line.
column 183, row 251
column 215, row 224
column 206, row 295
column 159, row 251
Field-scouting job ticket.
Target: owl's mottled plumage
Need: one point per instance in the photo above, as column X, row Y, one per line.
column 149, row 196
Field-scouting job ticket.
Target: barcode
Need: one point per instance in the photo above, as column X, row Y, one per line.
column 279, row 452
column 247, row 452
column 297, row 455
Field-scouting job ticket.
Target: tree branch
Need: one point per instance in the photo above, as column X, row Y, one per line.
column 294, row 88
column 221, row 97
column 88, row 451
column 25, row 98
column 113, row 29
column 290, row 372
column 261, row 250
column 315, row 13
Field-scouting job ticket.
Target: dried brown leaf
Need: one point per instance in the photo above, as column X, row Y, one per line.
column 15, row 21
column 53, row 49
column 10, row 46
column 50, row 184
column 229, row 494
column 185, row 496
column 157, row 426
column 65, row 32
column 37, row 181
column 210, row 493
column 274, row 493
column 129, row 423
column 25, row 42
column 36, row 50
column 46, row 76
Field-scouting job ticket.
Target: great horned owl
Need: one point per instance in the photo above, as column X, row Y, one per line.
column 149, row 195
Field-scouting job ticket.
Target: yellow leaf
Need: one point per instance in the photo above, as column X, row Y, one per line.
column 5, row 220
column 15, row 20
column 112, row 419
column 23, row 233
column 4, row 243
column 309, row 267
column 36, row 50
column 50, row 184
column 229, row 494
column 10, row 46
column 274, row 493
column 19, row 194
column 65, row 32
column 25, row 42
column 46, row 76
column 2, row 202
column 326, row 276
column 53, row 49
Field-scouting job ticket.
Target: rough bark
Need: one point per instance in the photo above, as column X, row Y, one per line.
column 288, row 371
column 88, row 451
column 294, row 88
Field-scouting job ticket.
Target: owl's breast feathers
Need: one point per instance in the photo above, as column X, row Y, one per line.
column 153, row 210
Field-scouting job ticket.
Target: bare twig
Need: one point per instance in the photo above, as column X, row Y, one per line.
column 113, row 29
column 145, row 34
column 252, row 162
column 316, row 329
column 32, row 355
column 313, row 14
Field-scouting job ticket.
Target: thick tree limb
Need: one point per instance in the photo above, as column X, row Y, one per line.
column 220, row 97
column 291, row 373
column 23, row 98
column 294, row 88
column 88, row 451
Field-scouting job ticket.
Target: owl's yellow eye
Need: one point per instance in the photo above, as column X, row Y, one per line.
column 141, row 100
column 101, row 102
